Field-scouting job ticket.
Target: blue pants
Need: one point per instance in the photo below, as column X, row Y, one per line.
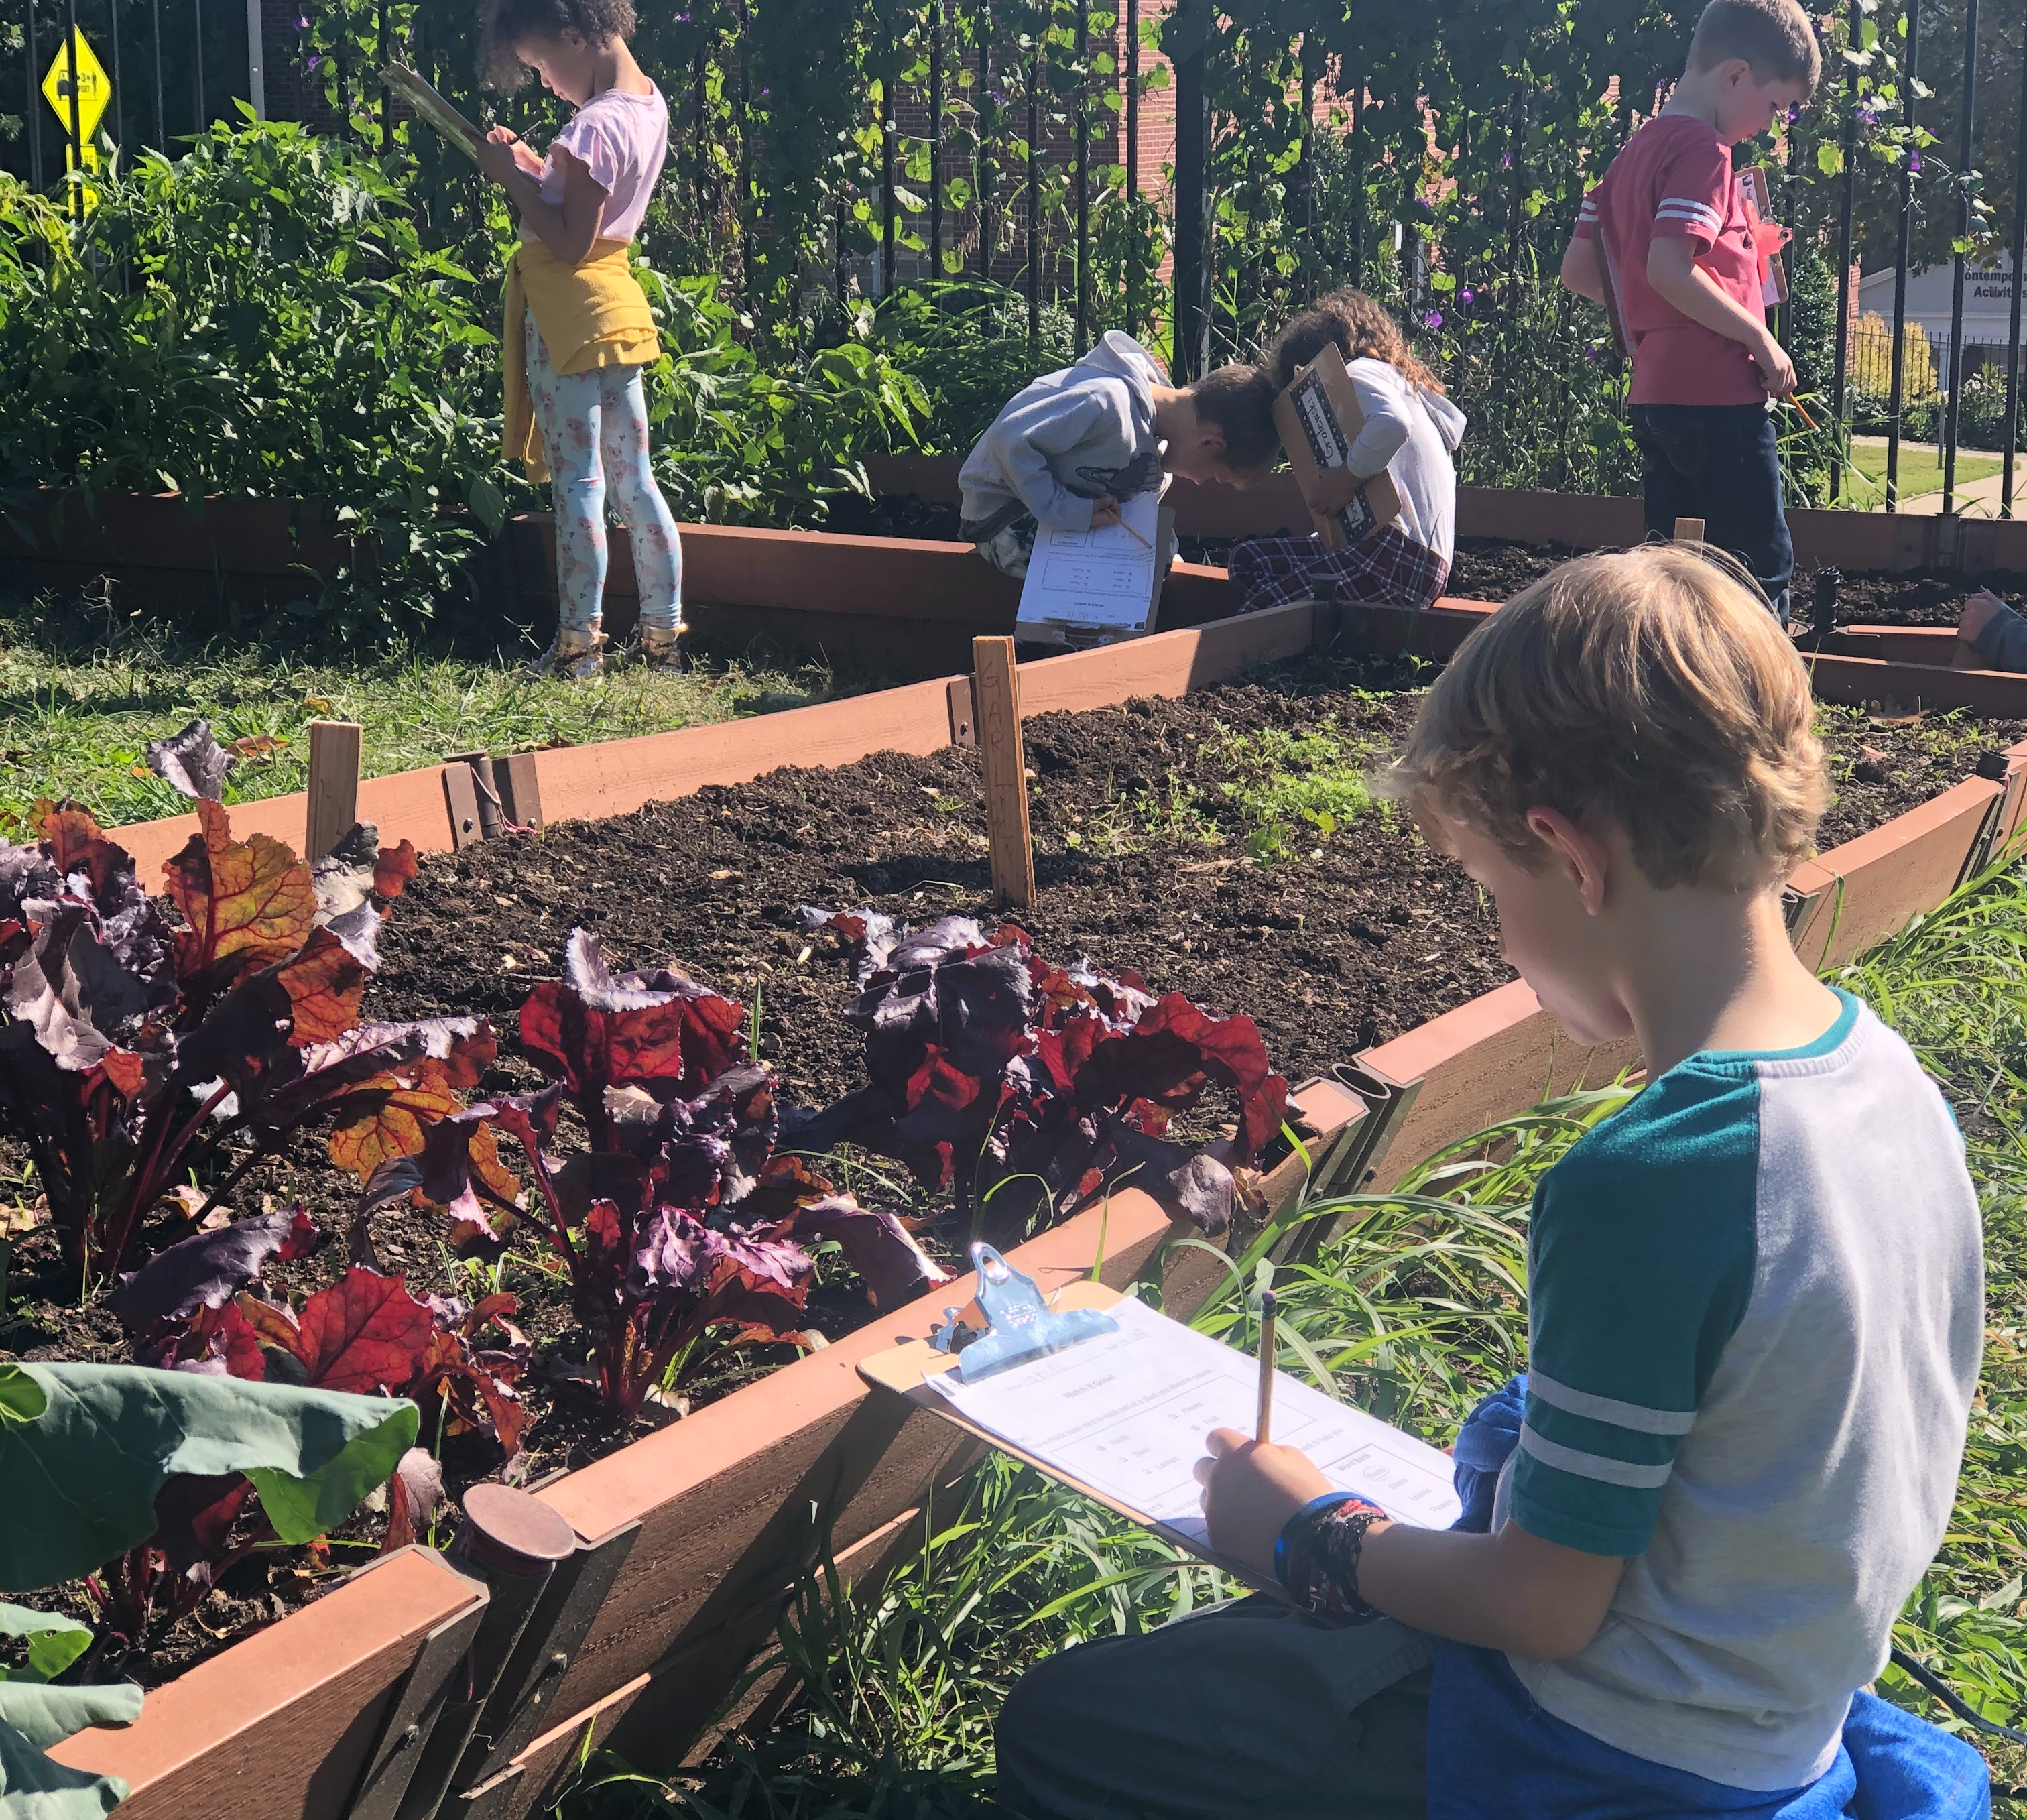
column 1718, row 462
column 2003, row 643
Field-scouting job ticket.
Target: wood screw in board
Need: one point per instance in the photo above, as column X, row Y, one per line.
column 1689, row 531
column 995, row 695
column 334, row 785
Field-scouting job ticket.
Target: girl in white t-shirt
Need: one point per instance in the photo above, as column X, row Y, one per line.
column 579, row 330
column 1411, row 432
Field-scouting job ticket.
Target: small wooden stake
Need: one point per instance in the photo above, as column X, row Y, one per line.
column 334, row 789
column 1689, row 531
column 995, row 690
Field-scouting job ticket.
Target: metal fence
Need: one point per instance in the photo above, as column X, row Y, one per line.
column 175, row 65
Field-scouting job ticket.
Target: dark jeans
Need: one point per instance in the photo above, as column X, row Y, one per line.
column 1718, row 462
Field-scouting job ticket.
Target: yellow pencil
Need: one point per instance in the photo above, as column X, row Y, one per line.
column 1263, row 1419
column 1136, row 537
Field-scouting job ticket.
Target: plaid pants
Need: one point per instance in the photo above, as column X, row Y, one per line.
column 1387, row 567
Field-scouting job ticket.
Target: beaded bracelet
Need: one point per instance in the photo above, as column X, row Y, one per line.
column 1316, row 1556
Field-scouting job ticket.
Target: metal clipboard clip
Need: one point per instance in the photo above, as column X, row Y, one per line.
column 1020, row 1325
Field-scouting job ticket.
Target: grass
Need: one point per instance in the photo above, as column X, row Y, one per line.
column 1921, row 472
column 1414, row 1314
column 82, row 694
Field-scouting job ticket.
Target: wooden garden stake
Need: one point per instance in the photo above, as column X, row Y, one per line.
column 1689, row 531
column 995, row 691
column 333, row 790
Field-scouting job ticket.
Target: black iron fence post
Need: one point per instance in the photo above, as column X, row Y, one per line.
column 887, row 221
column 1957, row 265
column 1133, row 167
column 1901, row 264
column 196, row 66
column 1035, row 200
column 119, row 82
column 1082, row 104
column 1191, row 22
column 76, row 117
column 1840, row 361
column 2012, row 324
column 161, row 113
column 34, row 106
column 935, row 139
column 982, row 174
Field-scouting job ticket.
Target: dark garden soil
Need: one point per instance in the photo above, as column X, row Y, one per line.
column 1141, row 857
column 1489, row 569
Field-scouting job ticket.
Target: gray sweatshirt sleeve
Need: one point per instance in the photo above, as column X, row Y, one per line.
column 1024, row 438
column 1385, row 427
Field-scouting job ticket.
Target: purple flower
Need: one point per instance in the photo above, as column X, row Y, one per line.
column 1433, row 319
column 313, row 63
column 1465, row 295
column 1590, row 350
column 302, row 23
column 1506, row 160
column 1914, row 160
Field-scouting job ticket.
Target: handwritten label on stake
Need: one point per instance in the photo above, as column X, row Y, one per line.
column 334, row 785
column 995, row 694
column 1689, row 531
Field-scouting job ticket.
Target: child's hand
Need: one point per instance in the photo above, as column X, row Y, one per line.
column 1104, row 512
column 1249, row 1491
column 503, row 153
column 1776, row 371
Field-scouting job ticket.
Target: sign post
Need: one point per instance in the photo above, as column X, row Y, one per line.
column 80, row 104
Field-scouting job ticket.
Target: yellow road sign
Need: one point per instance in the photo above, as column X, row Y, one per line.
column 94, row 91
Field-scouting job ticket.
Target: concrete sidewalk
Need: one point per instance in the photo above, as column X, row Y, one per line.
column 1976, row 499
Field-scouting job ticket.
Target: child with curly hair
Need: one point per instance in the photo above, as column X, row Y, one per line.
column 577, row 330
column 1411, row 431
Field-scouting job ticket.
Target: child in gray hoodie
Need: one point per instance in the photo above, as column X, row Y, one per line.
column 1067, row 449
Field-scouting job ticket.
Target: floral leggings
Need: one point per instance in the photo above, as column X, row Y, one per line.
column 595, row 431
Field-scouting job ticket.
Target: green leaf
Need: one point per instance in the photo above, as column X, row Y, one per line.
column 1829, row 159
column 54, row 1642
column 22, row 1397
column 82, row 1474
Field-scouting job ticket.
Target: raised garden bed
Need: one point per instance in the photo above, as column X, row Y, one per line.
column 723, row 1500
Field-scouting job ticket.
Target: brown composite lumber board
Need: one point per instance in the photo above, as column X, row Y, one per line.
column 403, row 805
column 616, row 776
column 1895, row 872
column 677, row 1708
column 893, row 577
column 724, row 1498
column 1858, row 682
column 1491, row 1058
column 280, row 1725
column 1169, row 664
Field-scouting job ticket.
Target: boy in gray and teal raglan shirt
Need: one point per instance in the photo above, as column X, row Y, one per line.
column 1069, row 448
column 1755, row 1311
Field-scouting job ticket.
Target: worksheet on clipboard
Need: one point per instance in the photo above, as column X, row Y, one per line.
column 1084, row 582
column 1125, row 1415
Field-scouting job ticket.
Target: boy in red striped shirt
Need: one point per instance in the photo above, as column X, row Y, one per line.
column 1670, row 244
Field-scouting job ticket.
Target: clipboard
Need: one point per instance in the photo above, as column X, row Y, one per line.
column 1085, row 588
column 421, row 95
column 1319, row 418
column 1758, row 192
column 904, row 1369
column 1128, row 1394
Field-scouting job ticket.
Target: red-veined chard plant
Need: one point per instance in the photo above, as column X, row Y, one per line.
column 139, row 1049
column 1023, row 1088
column 683, row 1231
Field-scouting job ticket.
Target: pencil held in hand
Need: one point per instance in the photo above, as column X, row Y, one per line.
column 1135, row 536
column 1263, row 1420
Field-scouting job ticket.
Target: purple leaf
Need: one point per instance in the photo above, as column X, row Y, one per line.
column 192, row 762
column 206, row 1271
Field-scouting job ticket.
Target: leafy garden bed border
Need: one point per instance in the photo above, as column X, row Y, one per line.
column 687, row 1541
